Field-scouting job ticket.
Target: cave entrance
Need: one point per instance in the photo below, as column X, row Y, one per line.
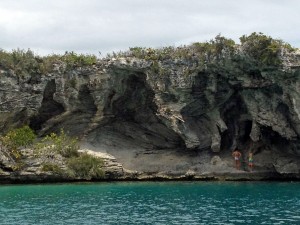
column 137, row 101
column 244, row 130
column 239, row 124
column 49, row 108
column 135, row 124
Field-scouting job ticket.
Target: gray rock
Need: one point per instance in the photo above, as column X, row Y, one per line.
column 286, row 166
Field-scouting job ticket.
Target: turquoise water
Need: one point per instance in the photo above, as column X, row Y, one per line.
column 152, row 203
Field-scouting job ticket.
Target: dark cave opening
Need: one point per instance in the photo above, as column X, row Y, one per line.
column 197, row 107
column 49, row 108
column 239, row 124
column 78, row 120
column 86, row 101
column 272, row 138
column 137, row 100
column 244, row 131
column 134, row 115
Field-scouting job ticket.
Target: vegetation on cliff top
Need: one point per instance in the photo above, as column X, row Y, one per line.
column 24, row 62
column 202, row 51
column 264, row 50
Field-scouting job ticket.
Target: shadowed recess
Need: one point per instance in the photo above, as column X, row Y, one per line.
column 49, row 108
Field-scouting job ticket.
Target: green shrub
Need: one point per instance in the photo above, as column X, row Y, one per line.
column 74, row 60
column 25, row 62
column 138, row 52
column 16, row 138
column 22, row 62
column 264, row 49
column 50, row 167
column 6, row 60
column 215, row 48
column 221, row 43
column 48, row 62
column 58, row 143
column 86, row 166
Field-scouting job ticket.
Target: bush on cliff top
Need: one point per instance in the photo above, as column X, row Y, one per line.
column 73, row 59
column 217, row 48
column 24, row 62
column 264, row 49
column 261, row 48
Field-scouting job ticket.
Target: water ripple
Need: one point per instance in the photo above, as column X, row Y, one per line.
column 152, row 203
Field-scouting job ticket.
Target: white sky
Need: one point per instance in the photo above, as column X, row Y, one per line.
column 90, row 26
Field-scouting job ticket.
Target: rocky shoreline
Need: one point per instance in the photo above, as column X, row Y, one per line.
column 44, row 179
column 114, row 171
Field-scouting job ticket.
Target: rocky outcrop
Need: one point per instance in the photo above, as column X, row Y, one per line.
column 171, row 117
column 53, row 168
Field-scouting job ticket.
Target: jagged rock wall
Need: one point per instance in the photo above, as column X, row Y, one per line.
column 124, row 105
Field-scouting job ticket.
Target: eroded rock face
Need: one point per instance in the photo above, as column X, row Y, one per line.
column 125, row 108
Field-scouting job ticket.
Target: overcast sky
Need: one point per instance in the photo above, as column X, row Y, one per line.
column 90, row 26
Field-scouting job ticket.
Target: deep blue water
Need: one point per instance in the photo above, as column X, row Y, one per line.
column 152, row 203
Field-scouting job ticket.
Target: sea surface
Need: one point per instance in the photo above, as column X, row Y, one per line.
column 151, row 203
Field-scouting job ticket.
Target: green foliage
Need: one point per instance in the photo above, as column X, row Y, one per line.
column 223, row 44
column 25, row 62
column 263, row 48
column 15, row 139
column 22, row 62
column 51, row 167
column 86, row 166
column 203, row 47
column 138, row 52
column 20, row 137
column 150, row 53
column 58, row 143
column 215, row 48
column 74, row 60
column 259, row 48
column 48, row 63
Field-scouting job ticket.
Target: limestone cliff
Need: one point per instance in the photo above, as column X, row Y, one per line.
column 171, row 115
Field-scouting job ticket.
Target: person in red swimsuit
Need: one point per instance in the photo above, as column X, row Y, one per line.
column 237, row 156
